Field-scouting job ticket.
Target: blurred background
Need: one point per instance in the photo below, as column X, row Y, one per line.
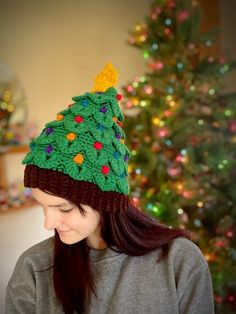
column 50, row 52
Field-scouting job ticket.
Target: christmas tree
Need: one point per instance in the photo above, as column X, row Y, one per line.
column 181, row 129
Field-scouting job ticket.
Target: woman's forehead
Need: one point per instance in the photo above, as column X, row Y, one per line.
column 49, row 199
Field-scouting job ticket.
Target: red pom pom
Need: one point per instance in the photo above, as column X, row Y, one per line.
column 120, row 123
column 118, row 97
column 79, row 119
column 98, row 145
column 105, row 169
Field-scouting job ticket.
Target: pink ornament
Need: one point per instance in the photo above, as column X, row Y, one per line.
column 231, row 298
column 167, row 113
column 129, row 104
column 179, row 158
column 187, row 194
column 157, row 10
column 148, row 89
column 222, row 60
column 162, row 132
column 174, row 171
column 135, row 200
column 156, row 65
column 220, row 243
column 129, row 88
column 172, row 4
column 153, row 16
column 230, row 234
column 218, row 299
column 232, row 126
column 183, row 15
column 167, row 31
column 131, row 40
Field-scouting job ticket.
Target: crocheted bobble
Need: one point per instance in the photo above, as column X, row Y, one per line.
column 86, row 142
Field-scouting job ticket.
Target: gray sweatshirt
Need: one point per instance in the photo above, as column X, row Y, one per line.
column 181, row 283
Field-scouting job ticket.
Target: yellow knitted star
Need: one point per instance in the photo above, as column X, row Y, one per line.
column 107, row 78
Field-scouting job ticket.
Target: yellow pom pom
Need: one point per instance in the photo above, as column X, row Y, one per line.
column 60, row 117
column 122, row 141
column 114, row 119
column 79, row 159
column 107, row 78
column 71, row 136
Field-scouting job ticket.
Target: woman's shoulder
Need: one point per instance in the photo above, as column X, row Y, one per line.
column 185, row 252
column 183, row 255
column 39, row 255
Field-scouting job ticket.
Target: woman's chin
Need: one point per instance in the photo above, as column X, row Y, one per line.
column 67, row 238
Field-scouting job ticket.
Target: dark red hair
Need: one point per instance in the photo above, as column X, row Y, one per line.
column 124, row 228
column 129, row 231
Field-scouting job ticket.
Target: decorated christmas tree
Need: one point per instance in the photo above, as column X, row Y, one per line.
column 181, row 129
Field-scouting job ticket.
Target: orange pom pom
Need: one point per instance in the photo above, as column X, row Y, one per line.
column 79, row 159
column 60, row 117
column 71, row 136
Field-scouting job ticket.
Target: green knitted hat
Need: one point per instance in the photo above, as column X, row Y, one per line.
column 85, row 142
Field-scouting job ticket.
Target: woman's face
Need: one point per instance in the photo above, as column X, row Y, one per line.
column 66, row 218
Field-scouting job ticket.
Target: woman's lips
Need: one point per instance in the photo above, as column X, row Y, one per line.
column 62, row 231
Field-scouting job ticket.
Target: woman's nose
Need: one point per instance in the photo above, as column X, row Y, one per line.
column 51, row 220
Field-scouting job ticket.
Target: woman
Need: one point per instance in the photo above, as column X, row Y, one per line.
column 106, row 257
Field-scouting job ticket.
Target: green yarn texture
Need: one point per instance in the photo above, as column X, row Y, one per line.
column 86, row 142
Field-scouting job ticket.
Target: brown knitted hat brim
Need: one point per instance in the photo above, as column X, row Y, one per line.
column 77, row 192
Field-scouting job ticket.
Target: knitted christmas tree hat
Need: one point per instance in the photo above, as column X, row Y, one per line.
column 81, row 156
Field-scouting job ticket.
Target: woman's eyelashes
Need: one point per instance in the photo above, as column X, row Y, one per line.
column 66, row 210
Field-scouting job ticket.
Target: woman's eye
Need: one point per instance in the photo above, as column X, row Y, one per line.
column 66, row 210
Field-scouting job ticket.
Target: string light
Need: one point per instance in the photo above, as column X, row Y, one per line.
column 192, row 88
column 156, row 121
column 180, row 211
column 208, row 43
column 143, row 103
column 130, row 88
column 211, row 91
column 168, row 22
column 155, row 46
column 138, row 28
column 228, row 112
column 4, row 105
column 148, row 90
column 224, row 69
column 170, row 90
column 10, row 107
column 172, row 103
column 200, row 122
column 200, row 204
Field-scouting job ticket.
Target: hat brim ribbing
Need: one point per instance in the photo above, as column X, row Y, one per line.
column 78, row 192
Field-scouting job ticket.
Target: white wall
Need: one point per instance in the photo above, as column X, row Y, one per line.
column 57, row 47
column 18, row 231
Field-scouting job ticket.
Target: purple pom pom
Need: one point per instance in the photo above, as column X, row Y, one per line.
column 49, row 149
column 49, row 130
